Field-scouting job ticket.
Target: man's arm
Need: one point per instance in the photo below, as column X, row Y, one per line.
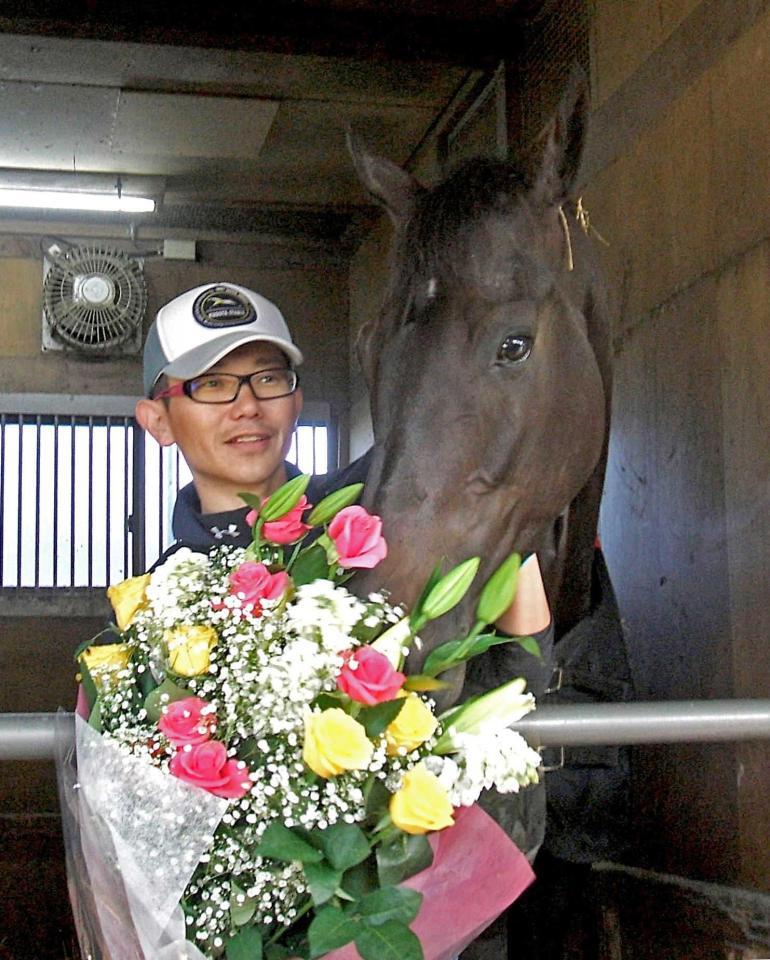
column 529, row 613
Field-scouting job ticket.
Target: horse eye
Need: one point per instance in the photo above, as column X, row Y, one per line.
column 515, row 348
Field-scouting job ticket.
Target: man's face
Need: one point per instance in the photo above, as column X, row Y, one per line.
column 232, row 447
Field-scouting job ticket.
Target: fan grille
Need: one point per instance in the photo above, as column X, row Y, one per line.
column 94, row 324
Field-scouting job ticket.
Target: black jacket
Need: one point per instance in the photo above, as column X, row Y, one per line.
column 202, row 531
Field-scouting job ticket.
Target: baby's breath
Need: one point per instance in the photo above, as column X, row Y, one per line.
column 268, row 666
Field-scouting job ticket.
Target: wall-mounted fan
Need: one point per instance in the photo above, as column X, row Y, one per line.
column 94, row 299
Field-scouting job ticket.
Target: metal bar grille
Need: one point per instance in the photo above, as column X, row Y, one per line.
column 311, row 447
column 20, row 509
column 55, row 564
column 61, row 521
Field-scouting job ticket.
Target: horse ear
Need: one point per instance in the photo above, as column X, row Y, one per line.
column 562, row 142
column 392, row 187
column 365, row 352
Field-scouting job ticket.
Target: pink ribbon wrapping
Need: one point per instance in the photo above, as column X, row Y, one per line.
column 477, row 872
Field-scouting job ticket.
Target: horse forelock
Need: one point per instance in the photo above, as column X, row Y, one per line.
column 434, row 239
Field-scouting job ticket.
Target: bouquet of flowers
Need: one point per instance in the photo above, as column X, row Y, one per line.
column 259, row 776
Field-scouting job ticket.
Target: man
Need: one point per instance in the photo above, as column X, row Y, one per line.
column 220, row 382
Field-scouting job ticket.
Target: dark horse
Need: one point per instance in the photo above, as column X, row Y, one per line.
column 489, row 372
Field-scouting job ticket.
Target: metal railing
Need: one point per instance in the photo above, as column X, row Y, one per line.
column 31, row 736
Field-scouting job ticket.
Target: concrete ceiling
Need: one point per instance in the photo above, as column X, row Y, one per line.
column 239, row 116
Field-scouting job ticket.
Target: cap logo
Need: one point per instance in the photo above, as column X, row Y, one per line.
column 223, row 307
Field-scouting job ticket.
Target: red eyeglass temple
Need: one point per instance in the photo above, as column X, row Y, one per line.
column 176, row 390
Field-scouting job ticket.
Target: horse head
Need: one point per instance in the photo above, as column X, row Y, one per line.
column 488, row 369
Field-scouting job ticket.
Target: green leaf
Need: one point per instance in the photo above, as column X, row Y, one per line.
column 452, row 652
column 154, row 701
column 95, row 717
column 242, row 908
column 450, row 589
column 281, row 843
column 361, row 879
column 390, row 903
column 285, row 498
column 530, row 645
column 499, row 591
column 276, row 951
column 311, row 564
column 421, row 682
column 377, row 800
column 344, row 844
column 245, row 945
column 330, row 506
column 326, row 701
column 248, row 749
column 375, row 720
column 145, row 681
column 89, row 687
column 401, row 857
column 322, row 880
column 388, row 941
column 250, row 500
column 329, row 930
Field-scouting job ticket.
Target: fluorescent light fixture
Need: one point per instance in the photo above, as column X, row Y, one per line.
column 72, row 200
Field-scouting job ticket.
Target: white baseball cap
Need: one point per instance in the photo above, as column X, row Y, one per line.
column 196, row 329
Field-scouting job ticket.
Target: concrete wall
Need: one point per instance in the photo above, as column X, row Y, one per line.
column 678, row 182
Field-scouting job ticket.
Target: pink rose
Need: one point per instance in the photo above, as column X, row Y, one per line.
column 205, row 765
column 288, row 528
column 252, row 582
column 357, row 535
column 184, row 721
column 369, row 677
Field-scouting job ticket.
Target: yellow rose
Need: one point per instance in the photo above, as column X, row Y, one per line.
column 189, row 648
column 334, row 743
column 127, row 597
column 422, row 804
column 413, row 726
column 104, row 662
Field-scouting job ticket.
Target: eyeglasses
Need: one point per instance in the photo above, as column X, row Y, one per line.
column 225, row 387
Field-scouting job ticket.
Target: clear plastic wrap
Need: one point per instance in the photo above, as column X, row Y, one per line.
column 133, row 837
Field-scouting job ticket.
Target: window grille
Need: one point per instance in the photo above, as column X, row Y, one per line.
column 86, row 500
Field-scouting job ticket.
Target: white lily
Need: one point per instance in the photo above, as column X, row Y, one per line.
column 392, row 642
column 485, row 714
